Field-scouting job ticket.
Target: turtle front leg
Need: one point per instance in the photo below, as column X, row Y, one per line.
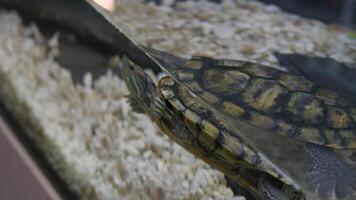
column 238, row 189
column 262, row 187
column 271, row 190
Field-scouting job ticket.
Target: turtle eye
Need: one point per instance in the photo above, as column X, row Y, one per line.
column 144, row 78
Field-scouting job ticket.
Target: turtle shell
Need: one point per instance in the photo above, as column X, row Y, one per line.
column 210, row 134
column 272, row 99
column 303, row 131
column 210, row 140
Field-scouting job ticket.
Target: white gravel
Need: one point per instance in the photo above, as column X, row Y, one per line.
column 90, row 135
column 245, row 29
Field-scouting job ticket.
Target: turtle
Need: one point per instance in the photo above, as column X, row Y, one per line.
column 279, row 135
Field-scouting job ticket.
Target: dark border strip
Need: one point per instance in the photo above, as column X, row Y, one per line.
column 56, row 181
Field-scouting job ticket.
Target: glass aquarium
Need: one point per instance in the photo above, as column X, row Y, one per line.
column 180, row 99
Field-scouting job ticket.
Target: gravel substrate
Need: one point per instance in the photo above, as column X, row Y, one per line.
column 89, row 133
column 235, row 29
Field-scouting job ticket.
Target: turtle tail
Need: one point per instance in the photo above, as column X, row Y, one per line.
column 144, row 96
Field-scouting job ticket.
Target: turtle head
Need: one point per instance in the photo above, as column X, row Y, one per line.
column 144, row 96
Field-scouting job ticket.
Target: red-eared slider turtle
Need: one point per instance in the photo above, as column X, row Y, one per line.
column 279, row 135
